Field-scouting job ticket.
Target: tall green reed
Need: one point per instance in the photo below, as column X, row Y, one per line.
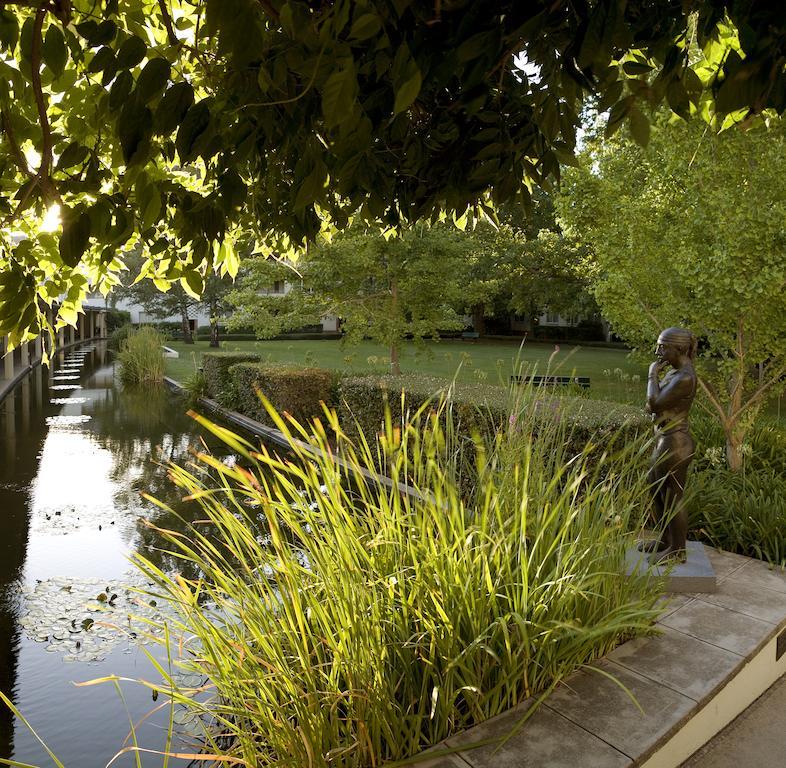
column 141, row 357
column 339, row 621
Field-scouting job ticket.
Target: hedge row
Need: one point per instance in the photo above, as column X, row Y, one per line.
column 299, row 392
column 483, row 409
column 215, row 367
column 233, row 380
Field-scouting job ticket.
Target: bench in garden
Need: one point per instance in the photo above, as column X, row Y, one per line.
column 552, row 381
column 470, row 336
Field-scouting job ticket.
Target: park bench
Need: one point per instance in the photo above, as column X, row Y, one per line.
column 470, row 336
column 552, row 381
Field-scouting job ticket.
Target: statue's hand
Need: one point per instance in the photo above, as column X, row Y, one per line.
column 657, row 367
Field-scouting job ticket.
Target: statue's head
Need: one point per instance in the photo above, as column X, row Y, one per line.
column 674, row 343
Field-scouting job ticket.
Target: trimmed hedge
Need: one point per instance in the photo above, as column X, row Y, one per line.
column 297, row 391
column 215, row 366
column 484, row 409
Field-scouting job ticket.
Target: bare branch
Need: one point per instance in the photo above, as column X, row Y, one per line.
column 170, row 30
column 38, row 92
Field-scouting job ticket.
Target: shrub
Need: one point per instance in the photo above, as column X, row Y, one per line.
column 297, row 391
column 484, row 408
column 116, row 318
column 119, row 335
column 196, row 387
column 141, row 357
column 215, row 366
column 742, row 512
column 765, row 444
column 341, row 624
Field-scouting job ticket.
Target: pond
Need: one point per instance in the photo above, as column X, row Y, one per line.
column 76, row 450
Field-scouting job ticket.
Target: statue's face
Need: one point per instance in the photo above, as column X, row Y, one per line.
column 667, row 352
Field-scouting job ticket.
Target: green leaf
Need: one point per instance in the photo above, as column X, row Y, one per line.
column 131, row 52
column 9, row 30
column 617, row 114
column 134, row 130
column 228, row 259
column 310, row 189
column 407, row 92
column 97, row 34
column 233, row 190
column 639, row 126
column 194, row 124
column 678, row 100
column 474, row 46
column 26, row 39
column 339, row 94
column 104, row 57
column 193, row 283
column 365, row 26
column 173, row 107
column 152, row 79
column 105, row 33
column 75, row 237
column 148, row 200
column 634, row 68
column 120, row 90
column 74, row 154
column 54, row 51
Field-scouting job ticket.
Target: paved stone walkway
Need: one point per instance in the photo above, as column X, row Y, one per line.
column 756, row 738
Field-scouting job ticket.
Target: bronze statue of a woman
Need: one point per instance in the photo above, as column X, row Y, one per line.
column 668, row 400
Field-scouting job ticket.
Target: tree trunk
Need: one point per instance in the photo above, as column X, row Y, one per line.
column 188, row 337
column 395, row 367
column 735, row 436
column 733, row 428
column 479, row 319
column 214, row 325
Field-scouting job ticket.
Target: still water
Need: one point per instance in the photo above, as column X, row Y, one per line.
column 76, row 450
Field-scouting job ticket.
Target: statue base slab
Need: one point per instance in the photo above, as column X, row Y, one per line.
column 696, row 574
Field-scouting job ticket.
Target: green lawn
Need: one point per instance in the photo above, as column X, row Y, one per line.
column 612, row 372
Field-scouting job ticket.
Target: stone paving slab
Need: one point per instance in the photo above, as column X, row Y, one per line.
column 683, row 663
column 743, row 594
column 718, row 626
column 600, row 705
column 591, row 722
column 547, row 740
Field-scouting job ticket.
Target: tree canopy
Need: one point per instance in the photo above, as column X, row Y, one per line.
column 172, row 125
column 692, row 232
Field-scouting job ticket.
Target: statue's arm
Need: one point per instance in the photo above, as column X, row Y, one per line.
column 663, row 397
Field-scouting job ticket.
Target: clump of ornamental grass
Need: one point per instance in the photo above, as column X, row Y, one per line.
column 344, row 620
column 141, row 357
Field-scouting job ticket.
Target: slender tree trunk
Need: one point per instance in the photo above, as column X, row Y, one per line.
column 188, row 337
column 733, row 427
column 395, row 367
column 214, row 325
column 479, row 319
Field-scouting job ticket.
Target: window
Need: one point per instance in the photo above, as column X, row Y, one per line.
column 278, row 286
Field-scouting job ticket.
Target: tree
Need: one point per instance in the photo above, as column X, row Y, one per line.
column 691, row 232
column 177, row 301
column 167, row 124
column 383, row 289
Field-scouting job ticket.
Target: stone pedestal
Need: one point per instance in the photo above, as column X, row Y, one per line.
column 696, row 574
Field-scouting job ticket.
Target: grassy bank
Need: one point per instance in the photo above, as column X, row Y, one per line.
column 611, row 371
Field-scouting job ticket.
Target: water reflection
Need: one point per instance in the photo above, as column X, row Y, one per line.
column 74, row 457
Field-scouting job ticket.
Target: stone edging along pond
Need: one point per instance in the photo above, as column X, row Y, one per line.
column 7, row 385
